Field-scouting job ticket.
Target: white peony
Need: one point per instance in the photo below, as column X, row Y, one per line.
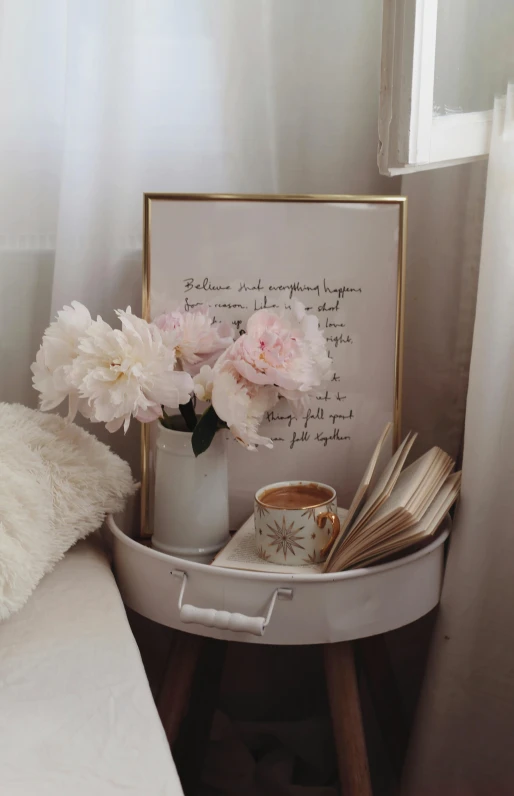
column 242, row 405
column 128, row 373
column 316, row 365
column 314, row 344
column 203, row 383
column 58, row 350
column 196, row 338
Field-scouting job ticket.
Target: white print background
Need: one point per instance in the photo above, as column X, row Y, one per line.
column 267, row 245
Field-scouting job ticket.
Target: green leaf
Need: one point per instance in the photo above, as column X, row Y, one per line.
column 204, row 431
column 188, row 413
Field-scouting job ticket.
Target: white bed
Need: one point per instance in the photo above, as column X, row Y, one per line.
column 76, row 714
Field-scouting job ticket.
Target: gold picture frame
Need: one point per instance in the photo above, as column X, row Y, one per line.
column 399, row 201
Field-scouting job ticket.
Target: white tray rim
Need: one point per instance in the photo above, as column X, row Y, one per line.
column 245, row 574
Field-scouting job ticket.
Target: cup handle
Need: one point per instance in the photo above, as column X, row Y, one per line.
column 321, row 521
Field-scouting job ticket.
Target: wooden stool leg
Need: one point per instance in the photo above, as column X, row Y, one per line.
column 373, row 655
column 173, row 699
column 190, row 750
column 343, row 694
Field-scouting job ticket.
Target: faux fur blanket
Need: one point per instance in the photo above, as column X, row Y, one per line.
column 57, row 482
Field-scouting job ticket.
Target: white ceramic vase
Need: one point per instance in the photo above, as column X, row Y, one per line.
column 191, row 496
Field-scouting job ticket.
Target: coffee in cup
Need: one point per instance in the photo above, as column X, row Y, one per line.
column 296, row 522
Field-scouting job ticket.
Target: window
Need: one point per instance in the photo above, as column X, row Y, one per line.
column 443, row 62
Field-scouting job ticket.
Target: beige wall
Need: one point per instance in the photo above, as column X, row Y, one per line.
column 444, row 236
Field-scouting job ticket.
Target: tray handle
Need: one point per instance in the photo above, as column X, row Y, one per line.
column 225, row 620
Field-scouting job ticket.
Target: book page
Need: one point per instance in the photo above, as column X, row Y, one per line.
column 433, row 484
column 426, row 527
column 385, row 483
column 409, row 482
column 420, row 532
column 415, row 505
column 360, row 495
column 437, row 510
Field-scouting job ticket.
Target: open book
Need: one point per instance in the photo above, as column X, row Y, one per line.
column 394, row 509
column 403, row 509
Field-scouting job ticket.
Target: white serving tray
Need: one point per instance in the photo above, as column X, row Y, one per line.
column 272, row 608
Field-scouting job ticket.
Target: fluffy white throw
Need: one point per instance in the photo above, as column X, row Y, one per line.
column 57, row 482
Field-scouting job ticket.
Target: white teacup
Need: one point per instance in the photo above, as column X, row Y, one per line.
column 291, row 522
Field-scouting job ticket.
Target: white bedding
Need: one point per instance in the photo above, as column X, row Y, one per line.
column 76, row 714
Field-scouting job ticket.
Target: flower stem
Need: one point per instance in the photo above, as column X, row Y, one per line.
column 188, row 413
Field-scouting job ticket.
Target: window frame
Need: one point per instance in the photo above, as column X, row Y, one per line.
column 411, row 138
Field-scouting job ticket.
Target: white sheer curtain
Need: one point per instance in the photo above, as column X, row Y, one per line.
column 465, row 729
column 102, row 100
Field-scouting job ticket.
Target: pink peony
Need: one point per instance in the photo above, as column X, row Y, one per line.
column 287, row 352
column 277, row 356
column 196, row 339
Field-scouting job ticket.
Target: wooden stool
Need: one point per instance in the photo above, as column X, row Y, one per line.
column 343, row 696
column 331, row 610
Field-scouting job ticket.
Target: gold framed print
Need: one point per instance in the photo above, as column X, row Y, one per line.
column 343, row 257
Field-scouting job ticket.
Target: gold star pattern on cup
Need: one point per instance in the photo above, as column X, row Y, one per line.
column 309, row 513
column 261, row 552
column 261, row 510
column 285, row 537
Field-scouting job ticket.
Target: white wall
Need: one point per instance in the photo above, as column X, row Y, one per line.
column 26, row 279
column 297, row 93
